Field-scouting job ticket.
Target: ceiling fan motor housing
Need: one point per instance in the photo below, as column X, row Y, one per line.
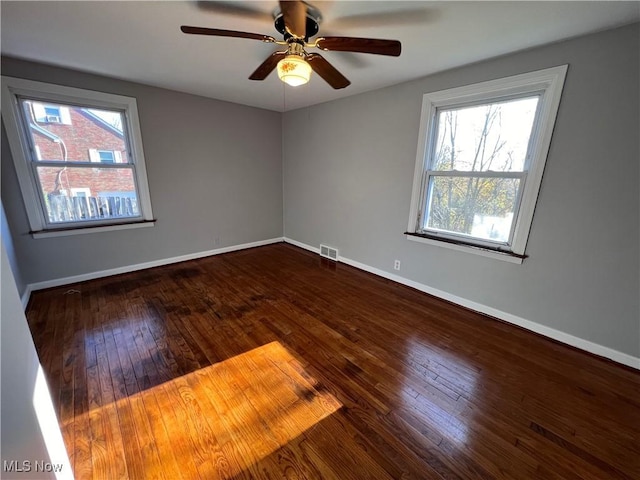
column 313, row 20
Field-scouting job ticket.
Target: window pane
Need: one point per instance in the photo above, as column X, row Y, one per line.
column 75, row 134
column 480, row 207
column 73, row 194
column 492, row 136
column 52, row 114
column 106, row 156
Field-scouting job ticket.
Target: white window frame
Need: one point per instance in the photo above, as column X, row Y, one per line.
column 548, row 84
column 76, row 191
column 22, row 154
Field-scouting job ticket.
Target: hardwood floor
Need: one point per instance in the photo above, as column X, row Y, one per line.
column 273, row 363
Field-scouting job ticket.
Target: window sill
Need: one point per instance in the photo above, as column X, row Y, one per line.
column 485, row 252
column 64, row 232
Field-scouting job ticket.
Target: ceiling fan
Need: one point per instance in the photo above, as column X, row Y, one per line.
column 298, row 21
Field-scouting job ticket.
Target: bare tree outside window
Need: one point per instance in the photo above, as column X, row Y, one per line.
column 478, row 168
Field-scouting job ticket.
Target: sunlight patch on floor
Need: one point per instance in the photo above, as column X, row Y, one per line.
column 224, row 418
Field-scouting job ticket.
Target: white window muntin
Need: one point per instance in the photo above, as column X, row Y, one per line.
column 548, row 84
column 19, row 142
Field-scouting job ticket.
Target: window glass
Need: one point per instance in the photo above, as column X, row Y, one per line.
column 106, row 156
column 492, row 136
column 93, row 135
column 61, row 186
column 473, row 206
column 78, row 156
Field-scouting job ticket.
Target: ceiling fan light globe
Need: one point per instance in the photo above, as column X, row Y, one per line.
column 294, row 70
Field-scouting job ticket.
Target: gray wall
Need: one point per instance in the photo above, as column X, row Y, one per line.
column 22, row 439
column 214, row 169
column 352, row 187
column 7, row 239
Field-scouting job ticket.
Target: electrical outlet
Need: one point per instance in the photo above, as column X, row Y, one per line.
column 396, row 265
column 216, row 241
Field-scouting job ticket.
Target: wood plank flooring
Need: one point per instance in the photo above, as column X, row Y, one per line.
column 272, row 363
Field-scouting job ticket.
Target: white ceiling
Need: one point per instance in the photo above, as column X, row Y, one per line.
column 141, row 41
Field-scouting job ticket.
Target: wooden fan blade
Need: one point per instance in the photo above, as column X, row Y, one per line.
column 295, row 17
column 327, row 71
column 225, row 33
column 361, row 45
column 267, row 66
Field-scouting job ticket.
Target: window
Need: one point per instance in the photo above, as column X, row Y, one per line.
column 481, row 155
column 81, row 192
column 52, row 114
column 46, row 113
column 63, row 187
column 106, row 156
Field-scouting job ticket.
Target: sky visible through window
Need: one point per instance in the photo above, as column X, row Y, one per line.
column 485, row 137
column 112, row 118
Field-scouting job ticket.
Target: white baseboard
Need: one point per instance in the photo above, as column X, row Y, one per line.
column 56, row 282
column 304, row 245
column 563, row 337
